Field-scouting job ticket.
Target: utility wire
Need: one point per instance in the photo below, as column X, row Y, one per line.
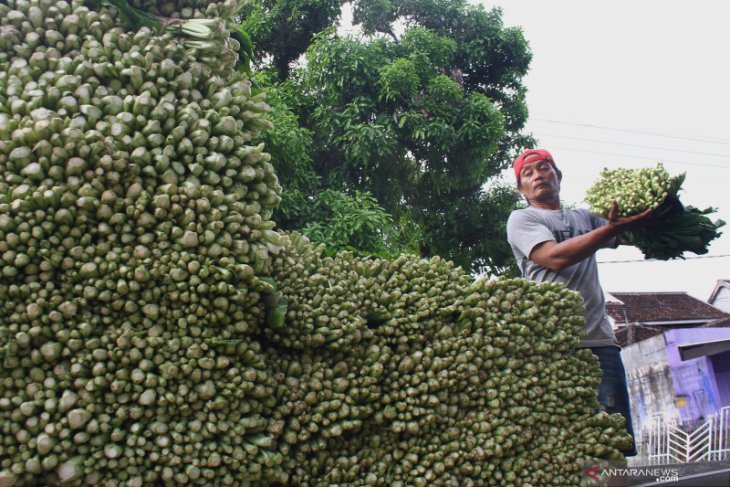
column 715, row 154
column 643, row 158
column 656, row 134
column 656, row 260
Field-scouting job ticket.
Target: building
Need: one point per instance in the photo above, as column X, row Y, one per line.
column 720, row 297
column 676, row 350
column 682, row 375
column 659, row 312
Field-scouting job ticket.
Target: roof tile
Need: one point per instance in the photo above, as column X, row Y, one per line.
column 662, row 306
column 626, row 336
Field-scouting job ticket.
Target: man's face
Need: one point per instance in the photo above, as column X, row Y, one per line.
column 539, row 181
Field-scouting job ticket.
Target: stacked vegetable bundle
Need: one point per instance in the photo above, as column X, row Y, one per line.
column 432, row 379
column 155, row 329
column 674, row 229
column 134, row 218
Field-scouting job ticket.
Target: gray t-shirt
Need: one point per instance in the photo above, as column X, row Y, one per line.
column 531, row 226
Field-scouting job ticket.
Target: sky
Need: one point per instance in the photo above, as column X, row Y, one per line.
column 630, row 84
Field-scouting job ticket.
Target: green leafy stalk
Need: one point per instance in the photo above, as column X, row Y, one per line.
column 677, row 232
column 133, row 17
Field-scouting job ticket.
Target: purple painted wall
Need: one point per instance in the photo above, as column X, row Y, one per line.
column 721, row 368
column 699, row 391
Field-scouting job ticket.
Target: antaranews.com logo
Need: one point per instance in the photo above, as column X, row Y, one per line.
column 608, row 472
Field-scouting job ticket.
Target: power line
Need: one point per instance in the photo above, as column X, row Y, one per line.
column 715, row 154
column 655, row 134
column 643, row 157
column 656, row 260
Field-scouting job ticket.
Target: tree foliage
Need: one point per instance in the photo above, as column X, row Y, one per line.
column 282, row 29
column 407, row 127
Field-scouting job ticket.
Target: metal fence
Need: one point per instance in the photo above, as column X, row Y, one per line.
column 669, row 442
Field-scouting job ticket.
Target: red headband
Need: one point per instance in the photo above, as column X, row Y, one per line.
column 532, row 155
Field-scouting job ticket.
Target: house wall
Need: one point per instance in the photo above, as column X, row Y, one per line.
column 722, row 300
column 695, row 382
column 695, row 394
column 721, row 368
column 662, row 384
column 650, row 381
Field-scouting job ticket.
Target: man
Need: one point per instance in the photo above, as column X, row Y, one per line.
column 553, row 244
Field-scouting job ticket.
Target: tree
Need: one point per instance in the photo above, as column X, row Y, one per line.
column 282, row 29
column 351, row 220
column 420, row 121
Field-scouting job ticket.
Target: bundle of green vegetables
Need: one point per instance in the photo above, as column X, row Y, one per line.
column 155, row 328
column 674, row 229
column 413, row 374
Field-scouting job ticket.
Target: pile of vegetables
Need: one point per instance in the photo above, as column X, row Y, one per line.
column 156, row 329
column 674, row 228
column 410, row 373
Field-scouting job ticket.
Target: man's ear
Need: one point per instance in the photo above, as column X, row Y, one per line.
column 560, row 175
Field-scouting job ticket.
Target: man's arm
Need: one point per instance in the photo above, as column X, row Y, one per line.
column 557, row 256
